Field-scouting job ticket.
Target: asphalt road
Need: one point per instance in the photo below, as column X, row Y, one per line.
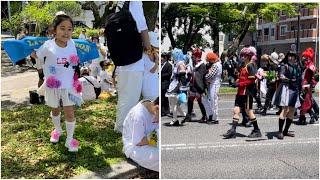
column 197, row 150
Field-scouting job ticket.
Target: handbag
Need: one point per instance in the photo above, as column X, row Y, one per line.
column 96, row 90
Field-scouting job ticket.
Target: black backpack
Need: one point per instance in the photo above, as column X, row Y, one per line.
column 123, row 39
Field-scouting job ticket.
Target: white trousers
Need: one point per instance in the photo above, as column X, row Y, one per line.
column 129, row 89
column 146, row 156
column 210, row 102
column 175, row 108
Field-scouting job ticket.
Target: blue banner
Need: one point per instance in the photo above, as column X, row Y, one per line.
column 19, row 49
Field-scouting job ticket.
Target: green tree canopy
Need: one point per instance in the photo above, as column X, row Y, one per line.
column 235, row 18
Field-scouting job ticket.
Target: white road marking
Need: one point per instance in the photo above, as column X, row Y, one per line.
column 227, row 144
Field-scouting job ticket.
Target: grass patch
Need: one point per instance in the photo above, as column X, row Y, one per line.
column 228, row 90
column 28, row 153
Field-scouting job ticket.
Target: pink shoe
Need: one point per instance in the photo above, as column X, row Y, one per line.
column 55, row 135
column 72, row 145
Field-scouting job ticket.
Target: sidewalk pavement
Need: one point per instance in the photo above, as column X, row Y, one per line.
column 123, row 170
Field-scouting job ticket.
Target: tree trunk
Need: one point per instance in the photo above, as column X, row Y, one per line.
column 151, row 9
column 169, row 30
column 188, row 36
column 236, row 42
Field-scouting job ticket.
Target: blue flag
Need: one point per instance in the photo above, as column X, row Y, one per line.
column 19, row 49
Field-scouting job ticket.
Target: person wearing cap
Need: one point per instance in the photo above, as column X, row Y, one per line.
column 88, row 84
column 212, row 79
column 245, row 93
column 308, row 83
column 197, row 86
column 272, row 62
column 287, row 93
column 166, row 73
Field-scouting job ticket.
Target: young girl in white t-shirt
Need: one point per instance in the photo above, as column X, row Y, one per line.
column 61, row 81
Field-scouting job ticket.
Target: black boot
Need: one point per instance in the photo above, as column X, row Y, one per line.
column 264, row 112
column 186, row 119
column 286, row 128
column 231, row 133
column 302, row 120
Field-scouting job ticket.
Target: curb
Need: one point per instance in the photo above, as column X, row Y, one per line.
column 227, row 95
column 122, row 170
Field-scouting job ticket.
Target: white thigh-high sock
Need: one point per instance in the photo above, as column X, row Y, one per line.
column 70, row 130
column 56, row 122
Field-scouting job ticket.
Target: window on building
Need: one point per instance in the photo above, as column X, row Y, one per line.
column 282, row 13
column 293, row 28
column 272, row 31
column 266, row 31
column 302, row 26
column 283, row 30
column 259, row 32
column 312, row 26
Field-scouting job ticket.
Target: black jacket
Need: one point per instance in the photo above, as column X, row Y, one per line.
column 166, row 73
column 197, row 81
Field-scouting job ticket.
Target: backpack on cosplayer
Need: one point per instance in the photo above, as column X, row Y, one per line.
column 123, row 38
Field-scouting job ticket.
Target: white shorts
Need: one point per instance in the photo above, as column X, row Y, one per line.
column 54, row 96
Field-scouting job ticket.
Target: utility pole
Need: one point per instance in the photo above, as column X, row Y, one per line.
column 9, row 11
column 298, row 31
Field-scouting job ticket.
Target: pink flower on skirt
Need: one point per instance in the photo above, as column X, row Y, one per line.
column 53, row 82
column 74, row 59
column 77, row 86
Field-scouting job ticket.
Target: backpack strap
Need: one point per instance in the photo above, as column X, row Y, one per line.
column 126, row 5
column 122, row 5
column 88, row 81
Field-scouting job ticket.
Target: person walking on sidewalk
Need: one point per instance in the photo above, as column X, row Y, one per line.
column 245, row 93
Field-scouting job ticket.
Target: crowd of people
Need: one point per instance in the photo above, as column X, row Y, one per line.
column 285, row 81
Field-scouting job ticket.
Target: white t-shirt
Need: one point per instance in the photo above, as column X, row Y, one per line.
column 88, row 92
column 105, row 75
column 150, row 85
column 82, row 36
column 137, row 125
column 56, row 57
column 136, row 9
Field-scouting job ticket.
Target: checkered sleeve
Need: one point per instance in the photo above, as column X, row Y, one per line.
column 211, row 72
